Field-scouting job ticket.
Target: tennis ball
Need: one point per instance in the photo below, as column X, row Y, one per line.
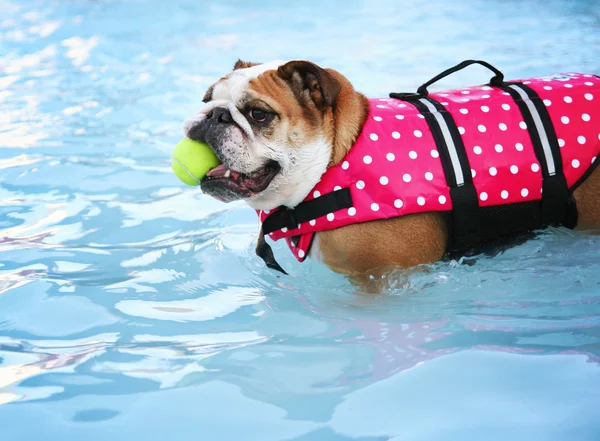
column 192, row 160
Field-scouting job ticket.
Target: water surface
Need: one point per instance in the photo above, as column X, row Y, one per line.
column 134, row 308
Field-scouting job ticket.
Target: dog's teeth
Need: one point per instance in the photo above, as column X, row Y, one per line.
column 227, row 173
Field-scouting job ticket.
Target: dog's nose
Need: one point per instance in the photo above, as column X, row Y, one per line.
column 220, row 114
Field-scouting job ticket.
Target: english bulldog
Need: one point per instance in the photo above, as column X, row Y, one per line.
column 278, row 127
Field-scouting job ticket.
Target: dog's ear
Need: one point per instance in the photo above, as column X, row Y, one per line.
column 309, row 81
column 239, row 64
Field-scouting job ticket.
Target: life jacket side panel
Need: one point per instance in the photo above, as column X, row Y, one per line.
column 500, row 152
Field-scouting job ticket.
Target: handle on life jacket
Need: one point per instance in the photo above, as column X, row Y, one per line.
column 496, row 80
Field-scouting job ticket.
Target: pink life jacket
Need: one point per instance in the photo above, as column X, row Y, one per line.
column 498, row 159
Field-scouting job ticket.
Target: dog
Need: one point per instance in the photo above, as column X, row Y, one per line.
column 279, row 127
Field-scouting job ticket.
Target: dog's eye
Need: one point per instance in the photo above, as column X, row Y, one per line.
column 258, row 115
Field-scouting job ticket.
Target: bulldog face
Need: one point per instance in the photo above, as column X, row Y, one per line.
column 272, row 127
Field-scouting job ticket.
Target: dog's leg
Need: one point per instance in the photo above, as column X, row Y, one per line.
column 587, row 197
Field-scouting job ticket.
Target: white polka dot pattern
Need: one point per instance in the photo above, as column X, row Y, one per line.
column 488, row 149
column 395, row 167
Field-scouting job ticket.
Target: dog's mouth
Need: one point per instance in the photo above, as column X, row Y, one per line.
column 227, row 185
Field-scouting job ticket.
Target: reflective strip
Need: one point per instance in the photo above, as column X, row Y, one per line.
column 540, row 128
column 460, row 180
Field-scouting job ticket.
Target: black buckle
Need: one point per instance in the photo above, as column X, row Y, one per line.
column 406, row 96
column 497, row 82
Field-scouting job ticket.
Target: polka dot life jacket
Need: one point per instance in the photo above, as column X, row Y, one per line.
column 497, row 160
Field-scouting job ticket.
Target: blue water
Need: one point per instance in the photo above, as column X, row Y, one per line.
column 133, row 308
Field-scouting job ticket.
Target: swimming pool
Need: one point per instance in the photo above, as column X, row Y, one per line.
column 133, row 308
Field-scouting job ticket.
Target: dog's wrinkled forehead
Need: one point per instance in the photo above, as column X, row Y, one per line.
column 233, row 86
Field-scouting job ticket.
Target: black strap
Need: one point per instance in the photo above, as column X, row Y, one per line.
column 496, row 80
column 291, row 217
column 307, row 211
column 265, row 252
column 555, row 192
column 465, row 225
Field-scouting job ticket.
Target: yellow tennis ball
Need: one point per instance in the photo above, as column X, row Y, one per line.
column 192, row 160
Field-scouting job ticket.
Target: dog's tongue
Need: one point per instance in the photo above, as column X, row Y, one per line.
column 218, row 171
column 222, row 171
column 253, row 182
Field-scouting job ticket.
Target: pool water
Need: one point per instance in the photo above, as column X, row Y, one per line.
column 134, row 308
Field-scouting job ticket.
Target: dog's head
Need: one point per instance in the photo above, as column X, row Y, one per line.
column 276, row 127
